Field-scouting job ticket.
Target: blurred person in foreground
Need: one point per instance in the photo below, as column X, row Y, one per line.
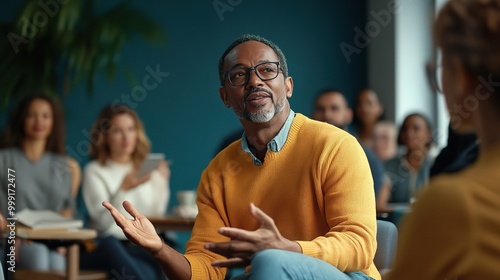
column 462, row 149
column 453, row 231
column 293, row 198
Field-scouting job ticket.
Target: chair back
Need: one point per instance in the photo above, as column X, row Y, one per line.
column 387, row 239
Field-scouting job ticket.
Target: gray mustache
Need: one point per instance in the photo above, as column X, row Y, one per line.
column 255, row 90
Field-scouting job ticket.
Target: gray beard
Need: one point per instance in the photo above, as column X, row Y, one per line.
column 261, row 116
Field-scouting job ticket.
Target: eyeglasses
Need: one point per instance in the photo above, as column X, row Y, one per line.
column 433, row 72
column 239, row 76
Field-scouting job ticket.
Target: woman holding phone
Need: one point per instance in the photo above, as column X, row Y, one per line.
column 118, row 149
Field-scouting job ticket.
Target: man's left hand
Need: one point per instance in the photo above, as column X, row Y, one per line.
column 245, row 243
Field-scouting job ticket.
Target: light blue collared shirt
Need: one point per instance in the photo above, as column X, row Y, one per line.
column 275, row 144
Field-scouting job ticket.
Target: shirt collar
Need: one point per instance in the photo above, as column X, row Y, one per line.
column 276, row 144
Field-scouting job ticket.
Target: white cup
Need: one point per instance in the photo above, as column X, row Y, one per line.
column 186, row 198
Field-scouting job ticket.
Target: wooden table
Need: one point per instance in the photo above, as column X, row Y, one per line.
column 394, row 212
column 64, row 236
column 162, row 223
column 394, row 207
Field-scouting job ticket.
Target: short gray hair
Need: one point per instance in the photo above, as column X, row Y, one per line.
column 251, row 37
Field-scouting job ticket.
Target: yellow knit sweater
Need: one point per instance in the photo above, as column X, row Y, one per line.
column 453, row 231
column 317, row 188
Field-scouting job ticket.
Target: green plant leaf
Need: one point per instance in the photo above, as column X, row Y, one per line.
column 77, row 40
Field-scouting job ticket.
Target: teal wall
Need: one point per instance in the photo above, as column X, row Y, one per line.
column 183, row 115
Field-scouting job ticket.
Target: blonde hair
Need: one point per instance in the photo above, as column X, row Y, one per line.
column 470, row 30
column 99, row 149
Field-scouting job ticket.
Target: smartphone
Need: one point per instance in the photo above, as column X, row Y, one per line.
column 150, row 163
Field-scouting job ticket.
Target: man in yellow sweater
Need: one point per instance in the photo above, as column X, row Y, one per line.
column 293, row 198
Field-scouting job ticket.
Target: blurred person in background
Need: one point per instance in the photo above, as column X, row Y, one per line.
column 46, row 178
column 118, row 148
column 368, row 110
column 409, row 171
column 385, row 144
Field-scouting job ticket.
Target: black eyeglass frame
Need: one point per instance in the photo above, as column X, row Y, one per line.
column 249, row 70
column 431, row 70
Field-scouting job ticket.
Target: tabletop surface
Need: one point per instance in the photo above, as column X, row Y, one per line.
column 393, row 207
column 56, row 234
column 172, row 222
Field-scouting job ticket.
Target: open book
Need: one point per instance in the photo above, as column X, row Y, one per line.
column 46, row 219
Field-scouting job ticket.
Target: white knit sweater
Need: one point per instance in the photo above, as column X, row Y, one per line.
column 102, row 182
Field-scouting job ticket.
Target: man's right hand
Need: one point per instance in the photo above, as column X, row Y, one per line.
column 139, row 230
column 142, row 232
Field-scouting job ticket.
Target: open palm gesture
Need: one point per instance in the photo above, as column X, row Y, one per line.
column 139, row 230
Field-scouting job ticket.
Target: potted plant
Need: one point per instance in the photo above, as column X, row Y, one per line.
column 54, row 45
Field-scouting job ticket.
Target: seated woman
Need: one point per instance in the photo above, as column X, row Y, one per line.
column 119, row 147
column 46, row 179
column 453, row 230
column 368, row 110
column 409, row 171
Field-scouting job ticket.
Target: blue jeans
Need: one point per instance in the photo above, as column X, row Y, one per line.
column 121, row 261
column 280, row 264
column 38, row 256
